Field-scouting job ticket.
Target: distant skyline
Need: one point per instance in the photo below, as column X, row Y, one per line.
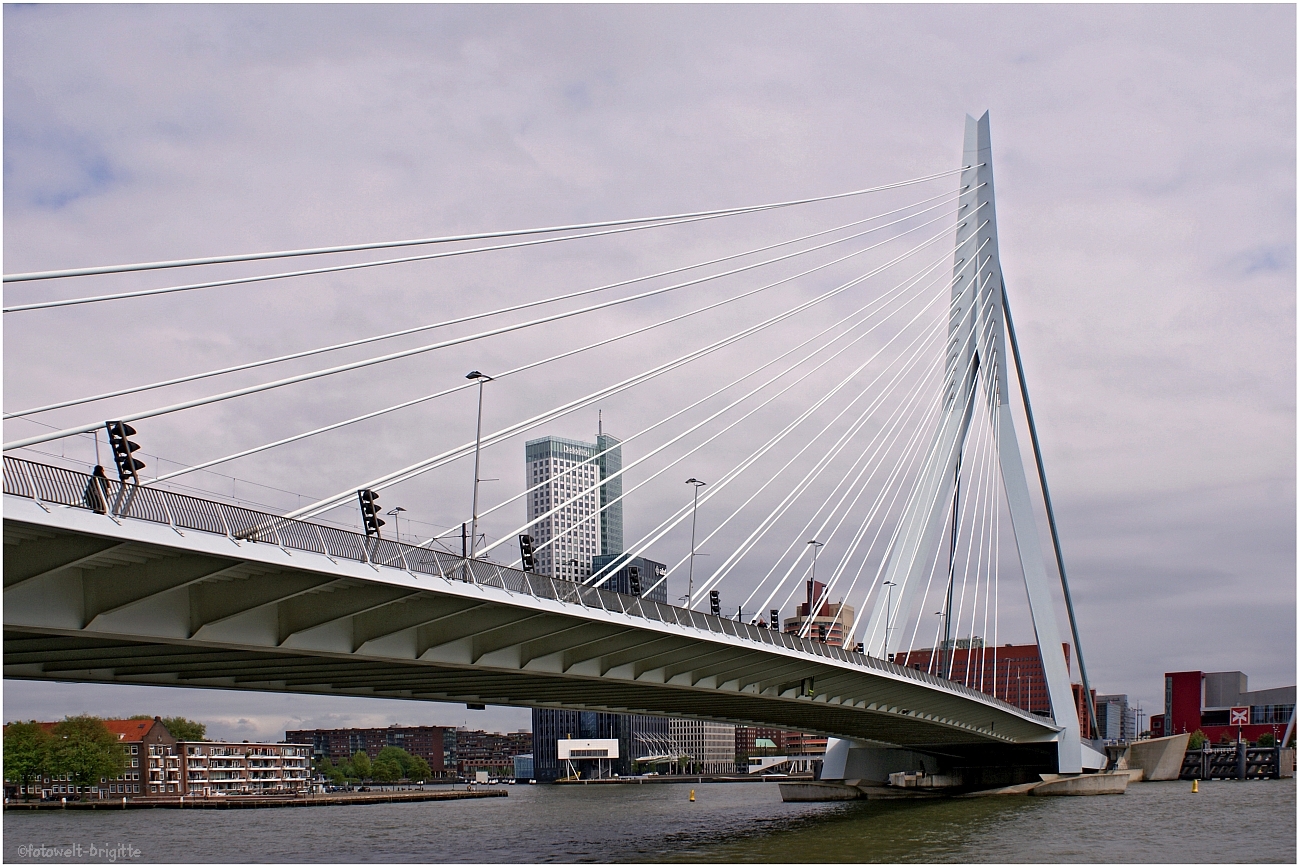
column 1145, row 160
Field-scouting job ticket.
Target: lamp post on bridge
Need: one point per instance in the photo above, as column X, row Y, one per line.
column 812, row 581
column 397, row 526
column 695, row 507
column 478, row 442
column 889, row 610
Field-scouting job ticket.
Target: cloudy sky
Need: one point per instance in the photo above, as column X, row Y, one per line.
column 1145, row 162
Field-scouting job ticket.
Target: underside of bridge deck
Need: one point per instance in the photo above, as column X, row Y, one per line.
column 90, row 599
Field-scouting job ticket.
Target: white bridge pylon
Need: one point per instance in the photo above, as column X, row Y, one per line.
column 975, row 366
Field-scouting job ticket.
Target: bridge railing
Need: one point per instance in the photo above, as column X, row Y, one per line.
column 64, row 487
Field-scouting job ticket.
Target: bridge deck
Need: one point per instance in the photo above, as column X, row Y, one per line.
column 179, row 591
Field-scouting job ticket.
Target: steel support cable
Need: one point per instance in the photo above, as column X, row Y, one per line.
column 1047, row 502
column 890, row 431
column 798, row 489
column 735, row 472
column 810, row 477
column 862, row 313
column 367, row 362
column 462, row 319
column 477, row 236
column 829, row 587
column 723, row 570
column 984, row 454
column 235, row 281
column 745, row 546
column 982, row 534
column 502, row 375
column 912, row 452
column 980, row 563
column 556, row 412
column 559, row 507
column 933, row 456
column 925, row 598
column 894, row 488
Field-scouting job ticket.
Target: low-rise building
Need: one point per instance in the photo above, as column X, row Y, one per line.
column 217, row 768
column 708, row 747
column 1221, row 705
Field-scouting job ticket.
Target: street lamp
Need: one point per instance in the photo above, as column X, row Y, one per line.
column 397, row 528
column 889, row 605
column 478, row 442
column 695, row 505
column 812, row 582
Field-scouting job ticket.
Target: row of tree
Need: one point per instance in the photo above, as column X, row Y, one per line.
column 80, row 748
column 392, row 764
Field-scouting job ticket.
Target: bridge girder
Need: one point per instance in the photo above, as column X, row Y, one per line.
column 134, row 602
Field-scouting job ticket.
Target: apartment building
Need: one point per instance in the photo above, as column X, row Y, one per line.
column 206, row 768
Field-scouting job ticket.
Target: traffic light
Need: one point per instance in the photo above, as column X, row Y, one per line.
column 634, row 580
column 127, row 465
column 715, row 604
column 776, row 620
column 370, row 512
column 526, row 553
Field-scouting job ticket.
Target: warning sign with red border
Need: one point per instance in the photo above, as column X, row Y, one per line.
column 1239, row 716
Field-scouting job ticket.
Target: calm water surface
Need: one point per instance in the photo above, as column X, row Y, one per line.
column 1153, row 822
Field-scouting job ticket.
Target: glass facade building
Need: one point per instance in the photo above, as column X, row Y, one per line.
column 637, row 736
column 569, row 513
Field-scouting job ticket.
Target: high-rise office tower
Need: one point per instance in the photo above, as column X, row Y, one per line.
column 570, row 504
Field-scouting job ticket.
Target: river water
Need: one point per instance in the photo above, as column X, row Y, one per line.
column 1153, row 822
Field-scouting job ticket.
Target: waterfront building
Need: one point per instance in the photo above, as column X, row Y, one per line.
column 340, row 745
column 523, row 767
column 638, row 735
column 139, row 738
column 206, row 768
column 1205, row 700
column 471, row 751
column 1115, row 719
column 709, row 747
column 832, row 622
column 558, row 471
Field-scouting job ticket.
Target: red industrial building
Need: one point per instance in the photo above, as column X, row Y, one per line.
column 1215, row 701
column 1012, row 672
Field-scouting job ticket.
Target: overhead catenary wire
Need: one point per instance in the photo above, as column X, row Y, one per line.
column 477, row 236
column 499, row 311
column 356, row 365
column 571, row 406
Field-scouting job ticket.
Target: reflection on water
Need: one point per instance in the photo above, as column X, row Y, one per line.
column 1153, row 822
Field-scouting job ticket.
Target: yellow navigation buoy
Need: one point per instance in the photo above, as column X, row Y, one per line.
column 692, row 795
column 1195, row 787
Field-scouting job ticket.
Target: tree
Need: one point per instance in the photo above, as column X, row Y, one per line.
column 419, row 769
column 1197, row 740
column 27, row 752
column 386, row 769
column 396, row 754
column 1267, row 740
column 185, row 729
column 85, row 750
column 361, row 765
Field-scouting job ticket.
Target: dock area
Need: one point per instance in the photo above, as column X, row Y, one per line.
column 239, row 802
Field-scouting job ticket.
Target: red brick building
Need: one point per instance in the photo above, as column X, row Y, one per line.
column 1012, row 672
column 339, row 745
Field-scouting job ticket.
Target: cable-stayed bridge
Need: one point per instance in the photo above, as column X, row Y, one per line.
column 904, row 459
